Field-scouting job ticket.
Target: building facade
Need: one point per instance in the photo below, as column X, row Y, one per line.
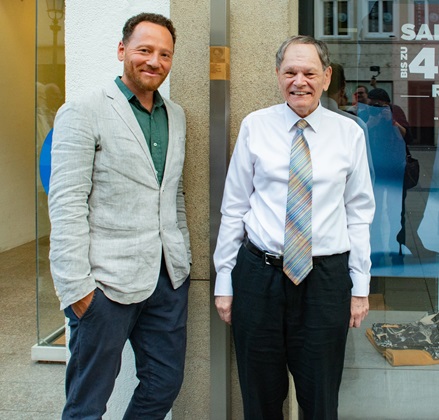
column 390, row 45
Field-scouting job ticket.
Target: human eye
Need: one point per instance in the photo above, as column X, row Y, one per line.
column 167, row 55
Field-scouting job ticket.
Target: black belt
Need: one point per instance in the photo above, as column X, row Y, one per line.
column 269, row 258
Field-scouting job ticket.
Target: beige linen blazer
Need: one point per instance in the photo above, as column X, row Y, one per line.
column 111, row 220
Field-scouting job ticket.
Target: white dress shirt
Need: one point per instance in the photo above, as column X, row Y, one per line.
column 255, row 194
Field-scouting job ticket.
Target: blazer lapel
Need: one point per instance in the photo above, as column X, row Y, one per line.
column 123, row 109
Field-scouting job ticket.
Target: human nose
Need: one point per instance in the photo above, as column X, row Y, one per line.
column 153, row 60
column 299, row 80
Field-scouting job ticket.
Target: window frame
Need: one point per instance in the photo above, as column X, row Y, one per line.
column 364, row 17
column 319, row 20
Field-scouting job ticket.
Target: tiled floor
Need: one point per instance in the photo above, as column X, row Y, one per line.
column 28, row 390
column 372, row 389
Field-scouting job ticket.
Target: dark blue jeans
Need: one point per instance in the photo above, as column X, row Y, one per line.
column 156, row 329
column 279, row 326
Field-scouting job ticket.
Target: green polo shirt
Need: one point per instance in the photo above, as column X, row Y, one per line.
column 154, row 126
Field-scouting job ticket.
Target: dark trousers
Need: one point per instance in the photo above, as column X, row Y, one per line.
column 156, row 329
column 277, row 325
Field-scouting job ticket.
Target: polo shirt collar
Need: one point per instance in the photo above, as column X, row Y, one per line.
column 158, row 100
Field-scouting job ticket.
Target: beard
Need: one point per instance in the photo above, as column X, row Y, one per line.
column 141, row 82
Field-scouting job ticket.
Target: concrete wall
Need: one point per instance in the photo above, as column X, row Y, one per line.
column 17, row 119
column 190, row 88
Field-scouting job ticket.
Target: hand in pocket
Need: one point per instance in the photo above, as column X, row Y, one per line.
column 82, row 305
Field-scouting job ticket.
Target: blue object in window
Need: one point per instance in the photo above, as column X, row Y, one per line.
column 45, row 161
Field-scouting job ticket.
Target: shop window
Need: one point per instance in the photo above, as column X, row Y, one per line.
column 391, row 50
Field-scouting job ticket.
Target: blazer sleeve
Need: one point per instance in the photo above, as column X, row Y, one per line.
column 179, row 119
column 73, row 152
column 182, row 221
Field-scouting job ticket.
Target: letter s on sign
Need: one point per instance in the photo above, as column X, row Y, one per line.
column 408, row 30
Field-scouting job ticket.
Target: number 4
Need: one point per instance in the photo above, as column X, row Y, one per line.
column 424, row 63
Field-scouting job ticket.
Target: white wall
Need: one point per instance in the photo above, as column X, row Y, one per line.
column 17, row 117
column 92, row 33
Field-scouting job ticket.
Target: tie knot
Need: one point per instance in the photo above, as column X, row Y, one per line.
column 301, row 124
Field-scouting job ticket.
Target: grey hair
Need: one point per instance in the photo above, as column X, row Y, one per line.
column 321, row 47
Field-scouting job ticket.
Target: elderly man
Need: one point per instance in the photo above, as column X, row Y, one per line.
column 293, row 252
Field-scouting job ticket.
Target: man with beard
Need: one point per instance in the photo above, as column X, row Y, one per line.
column 120, row 253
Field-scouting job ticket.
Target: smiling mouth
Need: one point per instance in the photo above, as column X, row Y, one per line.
column 150, row 74
column 299, row 93
column 150, row 70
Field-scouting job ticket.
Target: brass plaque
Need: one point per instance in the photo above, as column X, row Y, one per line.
column 219, row 63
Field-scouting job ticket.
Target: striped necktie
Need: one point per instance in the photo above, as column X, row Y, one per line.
column 297, row 246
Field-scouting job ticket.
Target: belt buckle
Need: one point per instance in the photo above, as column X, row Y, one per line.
column 270, row 255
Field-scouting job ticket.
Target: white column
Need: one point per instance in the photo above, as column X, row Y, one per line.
column 92, row 33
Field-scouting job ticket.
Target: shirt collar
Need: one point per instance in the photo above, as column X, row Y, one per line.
column 158, row 100
column 312, row 119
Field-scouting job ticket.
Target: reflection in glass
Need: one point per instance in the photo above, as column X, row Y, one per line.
column 380, row 18
column 388, row 156
column 388, row 16
column 50, row 95
column 335, row 18
column 342, row 18
column 373, row 17
column 329, row 18
column 400, row 39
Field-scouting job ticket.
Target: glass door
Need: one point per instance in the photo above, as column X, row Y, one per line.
column 385, row 75
column 50, row 69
